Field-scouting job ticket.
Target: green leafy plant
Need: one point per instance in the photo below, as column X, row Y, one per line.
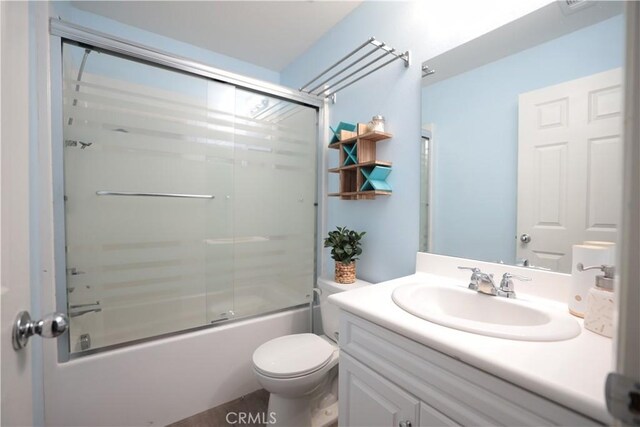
column 344, row 244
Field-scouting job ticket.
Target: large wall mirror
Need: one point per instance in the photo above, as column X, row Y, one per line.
column 522, row 146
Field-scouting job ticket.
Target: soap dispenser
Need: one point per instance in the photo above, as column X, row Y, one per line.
column 598, row 317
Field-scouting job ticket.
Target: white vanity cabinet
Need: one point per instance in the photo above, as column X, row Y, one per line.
column 389, row 380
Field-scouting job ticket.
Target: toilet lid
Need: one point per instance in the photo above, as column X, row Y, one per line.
column 292, row 355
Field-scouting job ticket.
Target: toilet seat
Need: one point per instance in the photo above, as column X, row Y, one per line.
column 292, row 356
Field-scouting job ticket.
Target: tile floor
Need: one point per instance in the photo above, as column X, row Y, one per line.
column 254, row 403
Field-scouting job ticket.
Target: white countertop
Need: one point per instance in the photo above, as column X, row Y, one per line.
column 571, row 372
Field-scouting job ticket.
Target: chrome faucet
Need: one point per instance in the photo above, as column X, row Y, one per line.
column 483, row 283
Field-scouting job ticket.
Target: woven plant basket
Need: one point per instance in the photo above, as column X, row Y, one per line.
column 345, row 273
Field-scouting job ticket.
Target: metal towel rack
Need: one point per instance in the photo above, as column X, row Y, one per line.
column 353, row 71
column 128, row 193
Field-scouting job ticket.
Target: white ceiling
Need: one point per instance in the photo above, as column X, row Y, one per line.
column 266, row 33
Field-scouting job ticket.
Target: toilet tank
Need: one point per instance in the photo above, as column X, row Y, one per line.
column 329, row 312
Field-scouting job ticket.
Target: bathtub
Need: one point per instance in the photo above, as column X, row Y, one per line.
column 164, row 380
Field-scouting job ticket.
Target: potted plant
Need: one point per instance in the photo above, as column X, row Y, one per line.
column 345, row 248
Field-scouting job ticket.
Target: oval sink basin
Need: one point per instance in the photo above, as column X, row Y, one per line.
column 470, row 311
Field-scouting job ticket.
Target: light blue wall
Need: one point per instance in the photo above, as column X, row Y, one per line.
column 475, row 117
column 392, row 223
column 67, row 12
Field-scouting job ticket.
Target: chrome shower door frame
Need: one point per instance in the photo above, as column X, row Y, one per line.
column 59, row 31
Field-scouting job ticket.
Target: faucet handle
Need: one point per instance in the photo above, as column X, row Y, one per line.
column 475, row 276
column 515, row 276
column 506, row 284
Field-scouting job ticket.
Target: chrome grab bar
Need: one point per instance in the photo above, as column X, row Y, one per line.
column 129, row 193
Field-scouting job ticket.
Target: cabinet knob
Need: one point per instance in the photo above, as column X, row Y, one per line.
column 404, row 424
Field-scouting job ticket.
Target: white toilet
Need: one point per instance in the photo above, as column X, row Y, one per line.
column 301, row 371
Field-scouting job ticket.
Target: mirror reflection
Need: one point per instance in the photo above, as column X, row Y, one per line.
column 521, row 155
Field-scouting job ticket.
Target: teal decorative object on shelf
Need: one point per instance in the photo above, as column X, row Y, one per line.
column 376, row 179
column 350, row 154
column 341, row 126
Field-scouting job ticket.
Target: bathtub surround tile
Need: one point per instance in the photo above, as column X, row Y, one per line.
column 253, row 403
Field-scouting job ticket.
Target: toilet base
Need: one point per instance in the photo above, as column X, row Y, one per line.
column 289, row 412
column 318, row 409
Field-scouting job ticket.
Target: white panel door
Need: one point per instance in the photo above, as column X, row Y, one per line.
column 369, row 400
column 17, row 395
column 569, row 167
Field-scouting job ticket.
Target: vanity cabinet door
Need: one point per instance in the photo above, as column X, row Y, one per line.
column 369, row 400
column 429, row 417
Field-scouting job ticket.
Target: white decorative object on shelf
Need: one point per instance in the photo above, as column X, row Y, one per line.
column 376, row 124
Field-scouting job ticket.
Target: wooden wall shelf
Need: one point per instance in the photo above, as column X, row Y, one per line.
column 374, row 136
column 360, row 195
column 361, row 165
column 351, row 178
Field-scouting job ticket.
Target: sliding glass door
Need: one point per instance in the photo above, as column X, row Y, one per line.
column 275, row 181
column 187, row 201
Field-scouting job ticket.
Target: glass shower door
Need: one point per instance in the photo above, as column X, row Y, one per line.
column 187, row 201
column 149, row 168
column 275, row 193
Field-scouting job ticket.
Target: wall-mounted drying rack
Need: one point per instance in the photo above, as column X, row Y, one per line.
column 354, row 70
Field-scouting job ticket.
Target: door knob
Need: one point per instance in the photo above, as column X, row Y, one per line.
column 50, row 326
column 525, row 238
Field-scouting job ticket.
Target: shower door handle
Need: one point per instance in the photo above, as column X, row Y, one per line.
column 50, row 326
column 177, row 195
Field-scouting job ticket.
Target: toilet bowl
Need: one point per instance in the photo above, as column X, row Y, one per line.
column 300, row 371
